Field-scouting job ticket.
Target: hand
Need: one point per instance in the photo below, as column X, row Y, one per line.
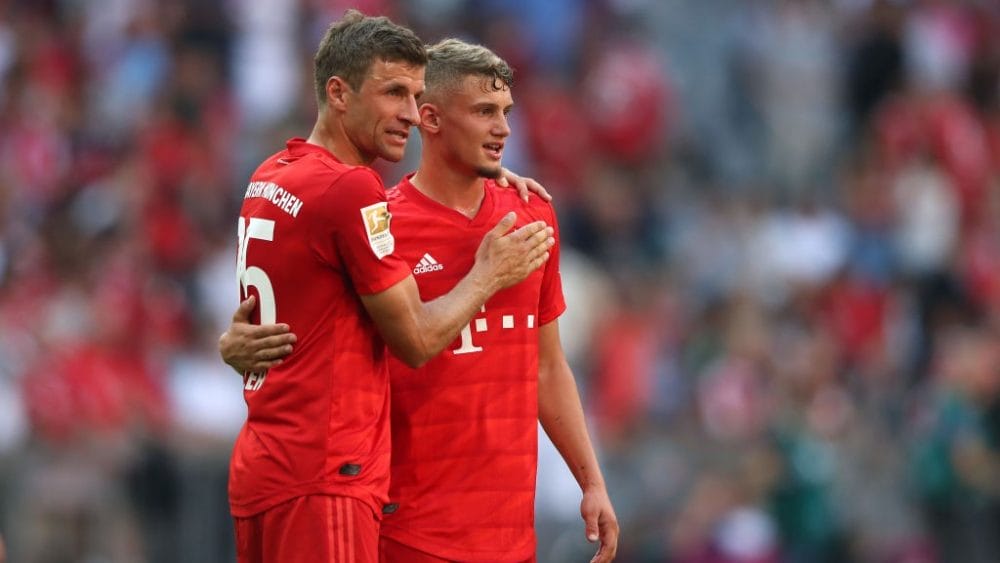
column 248, row 347
column 601, row 524
column 506, row 258
column 524, row 186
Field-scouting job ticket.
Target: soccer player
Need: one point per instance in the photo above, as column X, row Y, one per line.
column 309, row 472
column 464, row 425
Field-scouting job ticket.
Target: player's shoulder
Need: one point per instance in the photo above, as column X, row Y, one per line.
column 395, row 195
column 509, row 200
column 270, row 164
column 339, row 175
column 314, row 168
column 402, row 202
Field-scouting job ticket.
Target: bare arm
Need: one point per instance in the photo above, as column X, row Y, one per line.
column 418, row 331
column 415, row 331
column 561, row 415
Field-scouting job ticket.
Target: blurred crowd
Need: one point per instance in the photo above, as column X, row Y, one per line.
column 781, row 230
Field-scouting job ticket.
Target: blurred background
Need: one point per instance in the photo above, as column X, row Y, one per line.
column 781, row 231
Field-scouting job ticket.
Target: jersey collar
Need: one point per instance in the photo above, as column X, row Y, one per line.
column 484, row 214
column 298, row 147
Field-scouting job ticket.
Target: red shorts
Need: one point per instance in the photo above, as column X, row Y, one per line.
column 391, row 551
column 309, row 529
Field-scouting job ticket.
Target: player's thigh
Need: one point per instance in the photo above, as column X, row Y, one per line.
column 391, row 551
column 310, row 529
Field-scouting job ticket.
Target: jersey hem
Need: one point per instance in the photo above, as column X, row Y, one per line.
column 253, row 508
column 447, row 551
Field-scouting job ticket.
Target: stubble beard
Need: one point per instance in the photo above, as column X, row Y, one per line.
column 492, row 173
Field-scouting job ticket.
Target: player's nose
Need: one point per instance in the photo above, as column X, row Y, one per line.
column 410, row 114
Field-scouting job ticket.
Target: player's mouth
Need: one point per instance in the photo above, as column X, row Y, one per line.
column 398, row 136
column 494, row 150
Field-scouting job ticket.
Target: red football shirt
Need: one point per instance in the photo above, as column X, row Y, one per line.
column 464, row 426
column 314, row 233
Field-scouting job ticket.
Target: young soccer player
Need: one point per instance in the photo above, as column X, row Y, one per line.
column 464, row 425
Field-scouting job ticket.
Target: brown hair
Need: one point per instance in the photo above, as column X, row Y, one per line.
column 354, row 42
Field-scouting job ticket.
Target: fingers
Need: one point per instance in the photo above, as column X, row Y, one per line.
column 504, row 226
column 590, row 527
column 255, row 356
column 263, row 365
column 609, row 542
column 242, row 314
column 277, row 354
column 538, row 229
column 241, row 323
column 605, row 553
column 260, row 332
column 522, row 188
column 272, row 353
column 540, row 242
column 537, row 262
column 247, row 347
column 537, row 189
column 267, row 352
column 537, row 243
column 274, row 346
column 545, row 238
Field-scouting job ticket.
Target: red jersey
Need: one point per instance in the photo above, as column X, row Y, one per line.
column 464, row 426
column 314, row 234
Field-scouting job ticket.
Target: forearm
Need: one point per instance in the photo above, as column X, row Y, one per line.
column 442, row 319
column 561, row 415
column 417, row 331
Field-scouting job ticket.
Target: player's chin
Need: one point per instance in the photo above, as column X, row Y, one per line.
column 392, row 154
column 491, row 172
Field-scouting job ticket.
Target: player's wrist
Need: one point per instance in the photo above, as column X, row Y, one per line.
column 593, row 486
column 484, row 281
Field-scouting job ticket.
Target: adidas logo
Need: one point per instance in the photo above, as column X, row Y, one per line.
column 427, row 264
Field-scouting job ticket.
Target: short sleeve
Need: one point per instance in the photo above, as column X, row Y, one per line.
column 551, row 301
column 363, row 232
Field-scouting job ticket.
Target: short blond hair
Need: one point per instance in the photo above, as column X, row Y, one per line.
column 451, row 60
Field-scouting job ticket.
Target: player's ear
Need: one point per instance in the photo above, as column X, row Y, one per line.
column 430, row 119
column 336, row 92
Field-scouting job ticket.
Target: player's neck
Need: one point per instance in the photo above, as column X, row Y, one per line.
column 450, row 187
column 331, row 136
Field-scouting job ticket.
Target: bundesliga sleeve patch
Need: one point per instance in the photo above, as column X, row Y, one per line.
column 376, row 218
